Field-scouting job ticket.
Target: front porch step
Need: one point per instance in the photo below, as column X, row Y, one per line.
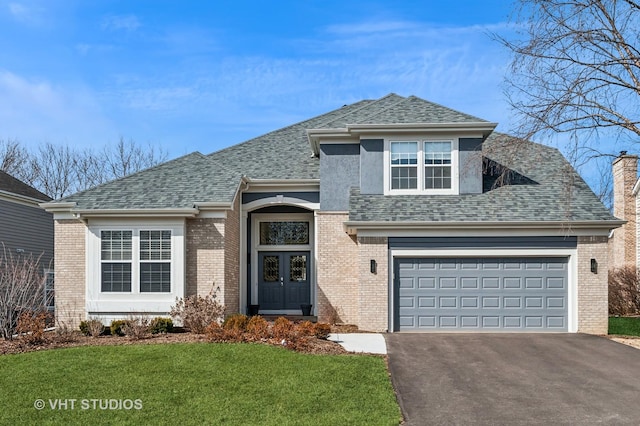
column 270, row 317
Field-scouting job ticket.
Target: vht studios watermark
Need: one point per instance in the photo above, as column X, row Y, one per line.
column 88, row 404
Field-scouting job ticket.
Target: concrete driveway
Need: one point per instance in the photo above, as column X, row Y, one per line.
column 510, row 379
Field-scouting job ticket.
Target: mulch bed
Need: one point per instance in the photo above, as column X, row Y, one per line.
column 52, row 341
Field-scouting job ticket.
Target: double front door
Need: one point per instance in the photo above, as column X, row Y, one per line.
column 283, row 280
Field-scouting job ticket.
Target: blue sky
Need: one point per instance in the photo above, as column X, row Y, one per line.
column 200, row 76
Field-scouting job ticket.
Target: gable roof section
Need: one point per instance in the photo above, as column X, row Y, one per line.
column 12, row 185
column 176, row 184
column 549, row 191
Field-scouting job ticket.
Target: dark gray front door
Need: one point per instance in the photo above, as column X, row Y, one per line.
column 488, row 294
column 283, row 280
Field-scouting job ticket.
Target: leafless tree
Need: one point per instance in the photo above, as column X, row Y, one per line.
column 60, row 170
column 21, row 289
column 126, row 158
column 576, row 69
column 55, row 167
column 14, row 159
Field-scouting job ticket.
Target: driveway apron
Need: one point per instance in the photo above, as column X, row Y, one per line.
column 512, row 379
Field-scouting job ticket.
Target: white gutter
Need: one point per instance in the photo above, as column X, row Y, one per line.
column 351, row 227
column 19, row 197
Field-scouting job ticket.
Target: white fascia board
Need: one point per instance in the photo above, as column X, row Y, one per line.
column 406, row 229
column 351, row 131
column 20, row 199
column 56, row 207
column 484, row 127
column 188, row 212
column 287, row 185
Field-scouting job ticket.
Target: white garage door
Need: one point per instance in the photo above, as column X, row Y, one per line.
column 481, row 294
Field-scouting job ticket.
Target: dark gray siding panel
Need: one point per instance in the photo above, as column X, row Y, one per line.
column 372, row 166
column 470, row 160
column 482, row 242
column 312, row 197
column 339, row 171
column 26, row 228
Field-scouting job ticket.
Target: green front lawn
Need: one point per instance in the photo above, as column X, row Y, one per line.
column 195, row 383
column 625, row 326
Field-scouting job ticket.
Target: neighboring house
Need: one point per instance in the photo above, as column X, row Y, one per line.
column 391, row 214
column 25, row 228
column 626, row 185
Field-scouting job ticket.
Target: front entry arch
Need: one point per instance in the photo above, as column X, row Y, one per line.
column 281, row 261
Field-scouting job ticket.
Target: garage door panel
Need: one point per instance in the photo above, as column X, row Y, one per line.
column 509, row 294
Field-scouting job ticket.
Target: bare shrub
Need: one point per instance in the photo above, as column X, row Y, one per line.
column 235, row 322
column 31, row 327
column 321, row 330
column 136, row 327
column 21, row 289
column 307, row 328
column 284, row 329
column 215, row 332
column 92, row 327
column 258, row 328
column 64, row 333
column 624, row 291
column 197, row 312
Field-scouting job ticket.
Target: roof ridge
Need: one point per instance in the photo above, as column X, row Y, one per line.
column 402, row 99
column 286, row 127
column 368, row 105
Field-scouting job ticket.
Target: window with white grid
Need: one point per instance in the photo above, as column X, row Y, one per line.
column 155, row 261
column 116, row 260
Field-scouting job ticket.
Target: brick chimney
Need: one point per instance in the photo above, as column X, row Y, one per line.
column 623, row 245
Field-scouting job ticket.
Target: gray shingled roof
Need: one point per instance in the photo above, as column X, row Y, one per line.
column 179, row 183
column 548, row 189
column 15, row 186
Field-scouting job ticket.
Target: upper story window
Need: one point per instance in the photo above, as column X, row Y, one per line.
column 421, row 166
column 437, row 165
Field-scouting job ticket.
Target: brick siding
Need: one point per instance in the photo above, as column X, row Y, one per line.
column 69, row 255
column 373, row 295
column 337, row 270
column 592, row 288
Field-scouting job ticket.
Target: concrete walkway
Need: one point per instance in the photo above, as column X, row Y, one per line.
column 372, row 343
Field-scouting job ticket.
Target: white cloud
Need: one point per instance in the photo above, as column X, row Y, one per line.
column 120, row 22
column 36, row 111
column 24, row 14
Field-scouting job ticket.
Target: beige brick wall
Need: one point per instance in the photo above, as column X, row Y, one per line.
column 212, row 258
column 232, row 259
column 337, row 270
column 69, row 254
column 373, row 295
column 204, row 256
column 592, row 288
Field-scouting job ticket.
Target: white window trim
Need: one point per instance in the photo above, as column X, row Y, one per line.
column 455, row 169
column 135, row 301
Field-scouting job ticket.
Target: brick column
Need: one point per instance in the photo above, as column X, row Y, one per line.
column 373, row 295
column 623, row 244
column 593, row 306
column 337, row 270
column 70, row 273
